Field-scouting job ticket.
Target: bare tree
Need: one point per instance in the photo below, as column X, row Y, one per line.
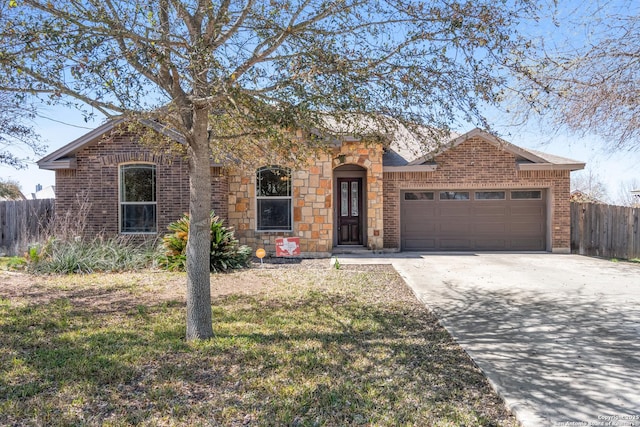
column 18, row 140
column 588, row 83
column 629, row 193
column 235, row 78
column 590, row 186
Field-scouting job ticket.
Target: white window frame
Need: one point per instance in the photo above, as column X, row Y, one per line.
column 289, row 198
column 121, row 203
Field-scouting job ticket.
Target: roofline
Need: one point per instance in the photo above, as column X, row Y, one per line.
column 58, row 159
column 477, row 132
column 410, row 168
column 539, row 163
column 64, row 163
column 550, row 166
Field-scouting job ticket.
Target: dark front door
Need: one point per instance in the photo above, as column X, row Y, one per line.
column 350, row 211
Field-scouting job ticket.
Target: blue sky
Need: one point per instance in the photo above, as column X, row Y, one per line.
column 614, row 170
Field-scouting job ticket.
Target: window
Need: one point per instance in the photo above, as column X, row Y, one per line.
column 454, row 195
column 138, row 198
column 418, row 195
column 526, row 195
column 490, row 195
column 274, row 202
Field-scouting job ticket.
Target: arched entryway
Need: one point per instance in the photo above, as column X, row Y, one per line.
column 350, row 205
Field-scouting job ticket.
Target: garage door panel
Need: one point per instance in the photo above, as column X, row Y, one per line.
column 454, row 228
column 489, row 228
column 491, row 244
column 527, row 211
column 455, row 244
column 500, row 224
column 485, row 209
column 420, row 210
column 416, row 228
column 526, row 219
column 524, row 244
column 527, row 229
column 420, row 244
column 451, row 210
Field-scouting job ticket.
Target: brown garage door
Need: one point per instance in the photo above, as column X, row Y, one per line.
column 468, row 220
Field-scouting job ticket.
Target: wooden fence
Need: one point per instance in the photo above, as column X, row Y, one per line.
column 22, row 222
column 605, row 230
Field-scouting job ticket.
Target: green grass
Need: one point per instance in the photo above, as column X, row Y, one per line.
column 294, row 346
column 633, row 260
column 12, row 263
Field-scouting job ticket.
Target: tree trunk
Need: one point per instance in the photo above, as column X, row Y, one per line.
column 199, row 242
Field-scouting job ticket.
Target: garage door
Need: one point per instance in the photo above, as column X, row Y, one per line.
column 469, row 220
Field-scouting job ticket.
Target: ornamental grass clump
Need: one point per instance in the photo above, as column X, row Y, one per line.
column 57, row 256
column 226, row 253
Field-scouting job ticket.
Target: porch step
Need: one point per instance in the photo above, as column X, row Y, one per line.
column 351, row 250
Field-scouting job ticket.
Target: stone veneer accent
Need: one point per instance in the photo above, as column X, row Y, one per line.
column 476, row 164
column 313, row 201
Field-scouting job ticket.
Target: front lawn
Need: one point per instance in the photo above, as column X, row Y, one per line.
column 297, row 345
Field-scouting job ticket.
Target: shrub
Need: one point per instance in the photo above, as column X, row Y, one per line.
column 80, row 256
column 226, row 252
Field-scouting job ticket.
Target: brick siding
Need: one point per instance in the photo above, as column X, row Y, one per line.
column 477, row 164
column 95, row 182
column 473, row 164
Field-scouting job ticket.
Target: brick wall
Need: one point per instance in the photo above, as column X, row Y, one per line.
column 95, row 182
column 472, row 164
column 476, row 164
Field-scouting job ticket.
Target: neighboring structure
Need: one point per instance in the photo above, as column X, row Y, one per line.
column 578, row 196
column 478, row 193
column 48, row 192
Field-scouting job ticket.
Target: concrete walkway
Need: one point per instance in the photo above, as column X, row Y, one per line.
column 558, row 336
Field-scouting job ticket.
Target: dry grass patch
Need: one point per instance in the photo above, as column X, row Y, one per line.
column 298, row 345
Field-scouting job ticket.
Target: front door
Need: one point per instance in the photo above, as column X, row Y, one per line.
column 350, row 211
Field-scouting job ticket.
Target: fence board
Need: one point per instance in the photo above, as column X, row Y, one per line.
column 23, row 222
column 605, row 230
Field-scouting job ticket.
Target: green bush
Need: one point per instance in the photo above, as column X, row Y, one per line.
column 80, row 256
column 226, row 252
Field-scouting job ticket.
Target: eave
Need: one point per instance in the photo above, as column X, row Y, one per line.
column 411, row 168
column 63, row 157
column 549, row 166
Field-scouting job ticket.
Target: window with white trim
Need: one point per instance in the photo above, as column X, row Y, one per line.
column 274, row 201
column 138, row 205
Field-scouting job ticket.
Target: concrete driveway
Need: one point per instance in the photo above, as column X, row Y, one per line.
column 557, row 335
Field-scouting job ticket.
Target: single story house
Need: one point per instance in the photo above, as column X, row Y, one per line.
column 476, row 193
